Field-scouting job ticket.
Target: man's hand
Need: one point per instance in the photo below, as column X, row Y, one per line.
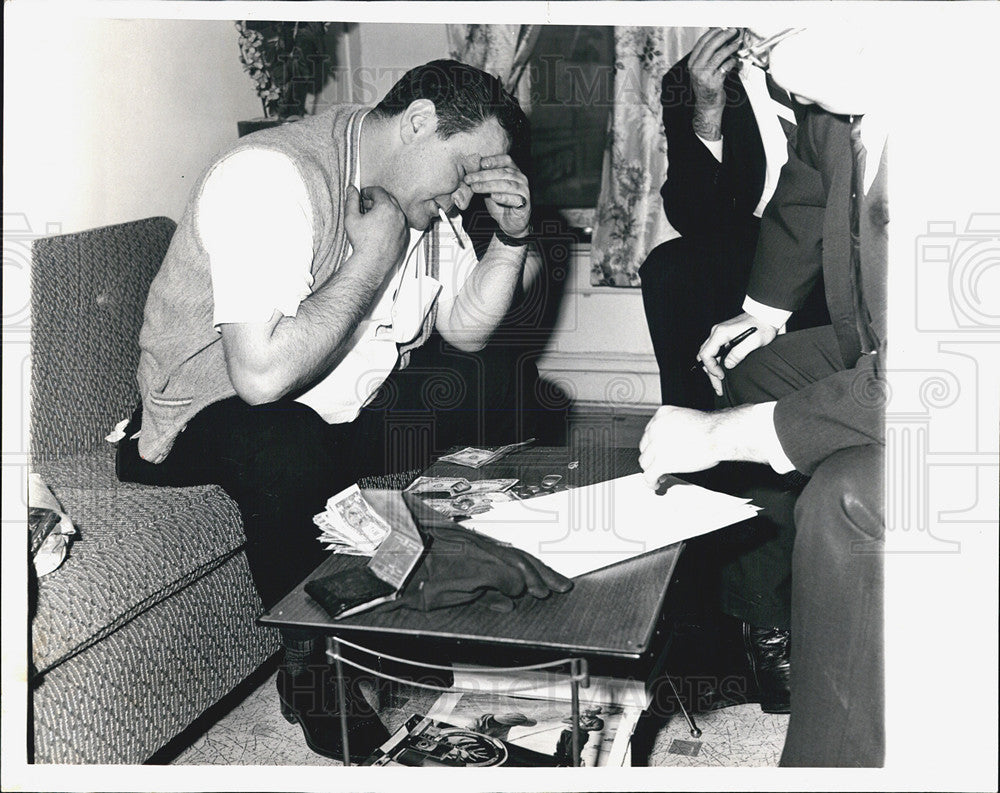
column 378, row 231
column 723, row 333
column 711, row 59
column 508, row 196
column 678, row 440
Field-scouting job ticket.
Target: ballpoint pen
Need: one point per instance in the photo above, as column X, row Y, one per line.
column 727, row 348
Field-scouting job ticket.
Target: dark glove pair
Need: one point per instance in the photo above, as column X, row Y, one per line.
column 460, row 566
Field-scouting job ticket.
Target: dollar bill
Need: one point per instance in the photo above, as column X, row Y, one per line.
column 490, row 486
column 474, row 457
column 439, row 484
column 470, row 457
column 468, row 504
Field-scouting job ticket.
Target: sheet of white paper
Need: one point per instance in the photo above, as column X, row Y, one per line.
column 587, row 528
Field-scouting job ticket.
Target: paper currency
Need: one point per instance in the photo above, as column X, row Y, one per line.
column 468, row 504
column 489, row 486
column 474, row 457
column 470, row 456
column 439, row 484
column 350, row 525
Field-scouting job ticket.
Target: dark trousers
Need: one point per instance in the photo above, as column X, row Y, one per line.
column 834, row 573
column 756, row 574
column 687, row 287
column 280, row 462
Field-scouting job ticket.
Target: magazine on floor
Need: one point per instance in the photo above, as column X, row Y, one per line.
column 481, row 729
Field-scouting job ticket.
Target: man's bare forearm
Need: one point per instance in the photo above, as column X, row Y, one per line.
column 300, row 350
column 485, row 298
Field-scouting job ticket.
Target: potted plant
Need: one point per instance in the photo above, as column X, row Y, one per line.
column 287, row 62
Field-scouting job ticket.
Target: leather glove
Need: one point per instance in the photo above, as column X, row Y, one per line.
column 461, row 566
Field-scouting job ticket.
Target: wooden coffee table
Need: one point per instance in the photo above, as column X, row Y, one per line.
column 610, row 614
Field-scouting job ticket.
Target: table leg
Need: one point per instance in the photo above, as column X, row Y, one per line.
column 575, row 711
column 692, row 727
column 341, row 696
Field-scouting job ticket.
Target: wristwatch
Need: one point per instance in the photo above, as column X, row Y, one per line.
column 514, row 242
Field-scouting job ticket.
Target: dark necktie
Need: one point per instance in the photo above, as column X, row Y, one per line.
column 780, row 95
column 862, row 317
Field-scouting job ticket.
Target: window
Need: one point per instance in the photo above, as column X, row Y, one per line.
column 572, row 86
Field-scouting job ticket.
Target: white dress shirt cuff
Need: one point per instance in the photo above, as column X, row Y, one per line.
column 775, row 317
column 714, row 146
column 766, row 438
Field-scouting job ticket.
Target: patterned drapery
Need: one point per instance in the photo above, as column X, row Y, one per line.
column 630, row 219
column 502, row 50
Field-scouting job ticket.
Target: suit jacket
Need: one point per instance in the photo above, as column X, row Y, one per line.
column 805, row 233
column 706, row 199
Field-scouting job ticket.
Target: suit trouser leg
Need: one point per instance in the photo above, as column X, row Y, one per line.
column 756, row 580
column 837, row 679
column 686, row 289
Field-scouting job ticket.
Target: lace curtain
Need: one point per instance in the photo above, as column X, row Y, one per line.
column 502, row 50
column 630, row 219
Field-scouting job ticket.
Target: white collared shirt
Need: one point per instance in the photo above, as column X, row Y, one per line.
column 255, row 274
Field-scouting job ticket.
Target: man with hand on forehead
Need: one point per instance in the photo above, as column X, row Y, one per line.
column 310, row 261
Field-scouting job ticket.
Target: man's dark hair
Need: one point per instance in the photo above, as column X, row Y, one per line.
column 463, row 96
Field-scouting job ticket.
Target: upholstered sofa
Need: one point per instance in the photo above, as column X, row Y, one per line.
column 150, row 620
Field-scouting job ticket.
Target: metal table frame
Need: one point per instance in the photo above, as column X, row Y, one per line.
column 578, row 677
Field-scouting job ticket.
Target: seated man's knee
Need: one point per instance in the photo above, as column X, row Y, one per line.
column 742, row 384
column 665, row 261
column 845, row 491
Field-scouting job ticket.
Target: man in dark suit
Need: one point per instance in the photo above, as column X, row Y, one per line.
column 727, row 126
column 812, row 401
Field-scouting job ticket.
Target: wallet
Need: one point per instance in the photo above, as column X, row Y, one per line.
column 348, row 590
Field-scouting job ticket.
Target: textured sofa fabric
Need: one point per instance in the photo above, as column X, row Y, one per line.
column 138, row 545
column 151, row 618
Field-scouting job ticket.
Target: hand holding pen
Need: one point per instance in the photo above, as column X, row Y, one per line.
column 731, row 341
column 726, row 348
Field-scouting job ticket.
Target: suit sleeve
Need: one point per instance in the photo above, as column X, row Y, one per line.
column 842, row 410
column 789, row 250
column 692, row 190
column 846, row 408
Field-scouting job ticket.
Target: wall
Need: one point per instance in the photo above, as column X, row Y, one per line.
column 112, row 120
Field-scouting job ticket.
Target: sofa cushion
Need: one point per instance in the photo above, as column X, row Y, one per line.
column 136, row 546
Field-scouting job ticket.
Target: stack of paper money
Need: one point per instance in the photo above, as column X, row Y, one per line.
column 350, row 525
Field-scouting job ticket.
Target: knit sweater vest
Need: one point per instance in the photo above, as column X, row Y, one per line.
column 182, row 367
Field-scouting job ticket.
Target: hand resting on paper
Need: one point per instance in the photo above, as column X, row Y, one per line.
column 460, row 566
column 680, row 440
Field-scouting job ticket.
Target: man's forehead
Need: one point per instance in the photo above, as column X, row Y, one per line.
column 485, row 140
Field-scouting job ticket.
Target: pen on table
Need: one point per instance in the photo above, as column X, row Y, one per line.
column 452, row 224
column 727, row 348
column 665, row 482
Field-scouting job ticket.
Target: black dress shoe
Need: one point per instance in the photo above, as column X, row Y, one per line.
column 311, row 700
column 767, row 649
